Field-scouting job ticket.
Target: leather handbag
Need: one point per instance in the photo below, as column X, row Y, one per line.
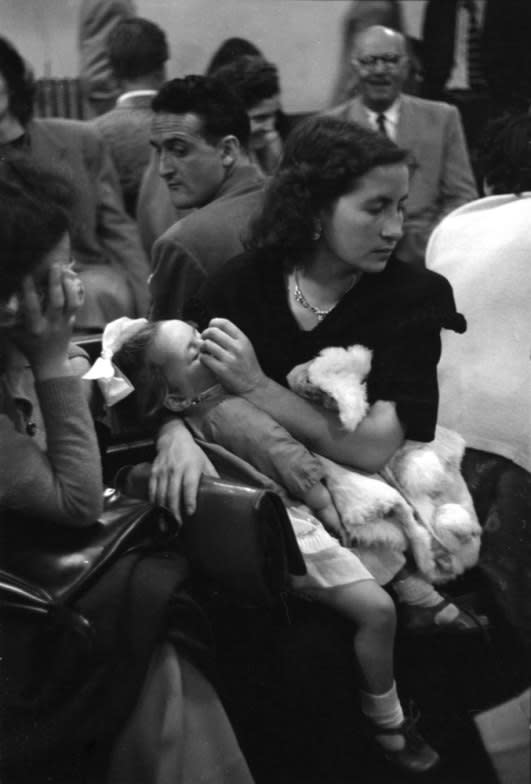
column 239, row 542
column 81, row 610
column 45, row 568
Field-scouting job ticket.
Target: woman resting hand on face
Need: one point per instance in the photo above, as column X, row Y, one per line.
column 49, row 457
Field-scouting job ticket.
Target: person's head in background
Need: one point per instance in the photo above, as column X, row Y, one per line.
column 228, row 51
column 256, row 83
column 504, row 155
column 17, row 93
column 338, row 193
column 138, row 52
column 200, row 131
column 35, row 204
column 380, row 60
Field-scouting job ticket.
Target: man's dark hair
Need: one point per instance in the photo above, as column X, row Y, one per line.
column 221, row 112
column 136, row 48
column 230, row 50
column 324, row 158
column 505, row 154
column 35, row 204
column 252, row 78
column 19, row 81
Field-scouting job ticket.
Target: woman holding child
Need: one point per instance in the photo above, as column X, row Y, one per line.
column 320, row 273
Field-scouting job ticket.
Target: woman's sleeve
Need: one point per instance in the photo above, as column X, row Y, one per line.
column 406, row 371
column 63, row 484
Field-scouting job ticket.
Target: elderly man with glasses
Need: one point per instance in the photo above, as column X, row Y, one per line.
column 442, row 176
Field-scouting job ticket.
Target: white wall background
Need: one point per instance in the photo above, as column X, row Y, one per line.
column 300, row 36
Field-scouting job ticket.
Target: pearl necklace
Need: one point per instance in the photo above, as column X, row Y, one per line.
column 320, row 313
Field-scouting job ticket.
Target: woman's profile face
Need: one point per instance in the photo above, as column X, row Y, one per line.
column 361, row 229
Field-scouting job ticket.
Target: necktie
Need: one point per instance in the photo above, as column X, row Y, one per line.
column 380, row 122
column 473, row 48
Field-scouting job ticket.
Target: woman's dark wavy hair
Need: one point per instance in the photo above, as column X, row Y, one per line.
column 35, row 205
column 324, row 158
column 19, row 80
column 151, row 388
column 505, row 154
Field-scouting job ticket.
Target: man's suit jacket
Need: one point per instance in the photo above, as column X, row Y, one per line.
column 102, row 232
column 442, row 178
column 97, row 18
column 198, row 244
column 126, row 128
column 505, row 50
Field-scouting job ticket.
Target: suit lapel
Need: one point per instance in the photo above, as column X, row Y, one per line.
column 406, row 124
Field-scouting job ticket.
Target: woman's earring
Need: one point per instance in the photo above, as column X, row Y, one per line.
column 318, row 230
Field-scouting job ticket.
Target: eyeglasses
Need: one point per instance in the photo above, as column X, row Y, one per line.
column 389, row 61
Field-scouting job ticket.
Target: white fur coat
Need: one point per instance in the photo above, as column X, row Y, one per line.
column 419, row 503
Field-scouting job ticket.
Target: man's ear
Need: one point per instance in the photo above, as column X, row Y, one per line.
column 176, row 403
column 229, row 148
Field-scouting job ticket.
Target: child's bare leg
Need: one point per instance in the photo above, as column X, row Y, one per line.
column 372, row 612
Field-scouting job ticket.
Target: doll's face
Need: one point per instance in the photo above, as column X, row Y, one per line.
column 176, row 349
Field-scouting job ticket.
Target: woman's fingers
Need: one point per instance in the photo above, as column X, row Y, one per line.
column 226, row 326
column 31, row 305
column 211, row 348
column 74, row 293
column 56, row 295
column 219, row 337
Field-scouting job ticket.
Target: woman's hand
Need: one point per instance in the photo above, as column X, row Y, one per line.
column 47, row 330
column 229, row 354
column 177, row 469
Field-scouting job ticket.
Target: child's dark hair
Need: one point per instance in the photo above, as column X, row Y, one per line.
column 151, row 388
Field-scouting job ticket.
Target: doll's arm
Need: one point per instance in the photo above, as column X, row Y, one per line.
column 254, row 436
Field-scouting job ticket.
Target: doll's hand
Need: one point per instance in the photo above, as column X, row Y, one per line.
column 229, row 354
column 320, row 501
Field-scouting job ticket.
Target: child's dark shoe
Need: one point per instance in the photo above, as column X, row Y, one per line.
column 443, row 617
column 416, row 756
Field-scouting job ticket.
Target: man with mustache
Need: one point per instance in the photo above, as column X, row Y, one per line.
column 442, row 176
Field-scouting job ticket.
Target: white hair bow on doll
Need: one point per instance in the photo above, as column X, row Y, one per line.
column 114, row 385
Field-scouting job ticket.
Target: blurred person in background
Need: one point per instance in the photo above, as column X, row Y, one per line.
column 256, row 83
column 442, row 178
column 96, row 20
column 105, row 242
column 138, row 52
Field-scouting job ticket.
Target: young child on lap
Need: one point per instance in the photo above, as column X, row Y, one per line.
column 160, row 361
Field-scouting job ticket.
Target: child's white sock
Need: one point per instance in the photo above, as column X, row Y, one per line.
column 385, row 711
column 418, row 592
